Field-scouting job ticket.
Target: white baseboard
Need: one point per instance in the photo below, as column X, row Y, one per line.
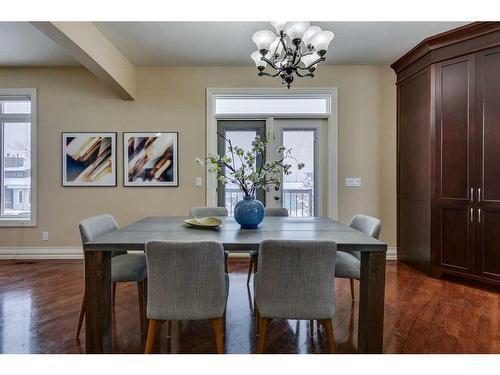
column 26, row 253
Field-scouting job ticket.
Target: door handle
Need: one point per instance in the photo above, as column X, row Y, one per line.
column 471, row 215
column 479, row 215
column 479, row 194
column 472, row 194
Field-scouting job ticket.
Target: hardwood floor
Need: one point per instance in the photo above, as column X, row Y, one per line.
column 40, row 301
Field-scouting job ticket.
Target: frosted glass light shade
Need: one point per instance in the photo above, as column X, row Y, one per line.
column 296, row 29
column 263, row 39
column 276, row 47
column 256, row 58
column 309, row 34
column 320, row 41
column 279, row 25
column 308, row 59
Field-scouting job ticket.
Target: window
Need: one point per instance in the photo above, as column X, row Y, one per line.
column 17, row 157
column 272, row 105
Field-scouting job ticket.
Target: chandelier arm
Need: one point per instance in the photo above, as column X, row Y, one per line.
column 265, row 74
column 314, row 63
column 263, row 58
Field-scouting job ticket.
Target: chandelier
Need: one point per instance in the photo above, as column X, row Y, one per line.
column 296, row 50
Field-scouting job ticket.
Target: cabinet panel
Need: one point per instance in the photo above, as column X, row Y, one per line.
column 455, row 238
column 454, row 126
column 489, row 124
column 489, row 243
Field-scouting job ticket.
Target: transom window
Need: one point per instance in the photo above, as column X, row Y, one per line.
column 17, row 157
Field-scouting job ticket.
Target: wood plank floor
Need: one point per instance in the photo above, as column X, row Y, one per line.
column 40, row 300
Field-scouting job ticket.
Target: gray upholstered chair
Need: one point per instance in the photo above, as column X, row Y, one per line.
column 124, row 267
column 208, row 212
column 349, row 263
column 295, row 281
column 254, row 255
column 186, row 281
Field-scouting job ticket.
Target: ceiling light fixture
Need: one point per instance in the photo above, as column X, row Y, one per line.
column 297, row 50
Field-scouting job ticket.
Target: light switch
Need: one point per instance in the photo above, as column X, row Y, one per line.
column 198, row 182
column 353, row 181
column 45, row 236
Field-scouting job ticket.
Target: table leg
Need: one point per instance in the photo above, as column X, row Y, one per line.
column 98, row 301
column 371, row 302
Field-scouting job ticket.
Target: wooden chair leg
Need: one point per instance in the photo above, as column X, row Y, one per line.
column 225, row 264
column 114, row 293
column 169, row 328
column 219, row 340
column 264, row 322
column 80, row 317
column 150, row 340
column 140, row 295
column 249, row 271
column 257, row 320
column 352, row 288
column 224, row 323
column 327, row 323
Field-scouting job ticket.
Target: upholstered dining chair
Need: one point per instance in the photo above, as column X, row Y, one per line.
column 348, row 264
column 186, row 281
column 124, row 267
column 295, row 281
column 254, row 255
column 207, row 212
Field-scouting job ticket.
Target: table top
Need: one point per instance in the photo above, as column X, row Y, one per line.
column 135, row 236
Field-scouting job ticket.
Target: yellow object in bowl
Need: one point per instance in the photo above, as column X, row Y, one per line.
column 205, row 222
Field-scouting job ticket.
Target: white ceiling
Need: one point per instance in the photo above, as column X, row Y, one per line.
column 216, row 43
column 21, row 44
column 230, row 43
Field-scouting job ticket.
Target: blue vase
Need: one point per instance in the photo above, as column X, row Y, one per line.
column 249, row 212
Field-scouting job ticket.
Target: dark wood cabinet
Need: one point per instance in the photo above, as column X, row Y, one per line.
column 449, row 153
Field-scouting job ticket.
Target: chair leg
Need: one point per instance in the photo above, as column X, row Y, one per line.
column 150, row 340
column 264, row 322
column 311, row 327
column 257, row 320
column 80, row 317
column 219, row 340
column 327, row 323
column 224, row 323
column 352, row 288
column 249, row 271
column 114, row 293
column 225, row 265
column 140, row 295
column 169, row 328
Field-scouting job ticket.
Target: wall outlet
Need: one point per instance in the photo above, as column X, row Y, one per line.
column 198, row 182
column 353, row 181
column 45, row 236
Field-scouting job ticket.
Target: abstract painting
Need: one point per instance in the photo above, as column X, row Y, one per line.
column 150, row 159
column 89, row 159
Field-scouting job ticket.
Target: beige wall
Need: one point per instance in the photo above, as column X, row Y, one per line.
column 71, row 99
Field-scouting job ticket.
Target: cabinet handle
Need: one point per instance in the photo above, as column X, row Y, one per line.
column 479, row 215
column 471, row 215
column 472, row 194
column 479, row 194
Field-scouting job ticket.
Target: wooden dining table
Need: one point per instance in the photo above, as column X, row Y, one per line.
column 97, row 253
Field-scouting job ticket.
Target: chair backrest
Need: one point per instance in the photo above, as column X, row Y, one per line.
column 279, row 211
column 96, row 226
column 186, row 280
column 296, row 279
column 208, row 211
column 366, row 224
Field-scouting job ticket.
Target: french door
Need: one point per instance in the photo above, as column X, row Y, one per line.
column 303, row 191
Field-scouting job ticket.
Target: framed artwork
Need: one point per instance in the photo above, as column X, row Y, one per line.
column 150, row 159
column 89, row 159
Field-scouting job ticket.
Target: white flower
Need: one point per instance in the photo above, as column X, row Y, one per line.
column 200, row 162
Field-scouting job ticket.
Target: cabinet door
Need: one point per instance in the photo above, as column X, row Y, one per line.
column 488, row 169
column 453, row 217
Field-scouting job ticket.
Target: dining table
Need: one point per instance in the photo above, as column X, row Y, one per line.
column 97, row 254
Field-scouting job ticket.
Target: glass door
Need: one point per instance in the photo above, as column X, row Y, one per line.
column 303, row 191
column 241, row 133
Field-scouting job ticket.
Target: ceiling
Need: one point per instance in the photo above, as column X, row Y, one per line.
column 215, row 43
column 23, row 45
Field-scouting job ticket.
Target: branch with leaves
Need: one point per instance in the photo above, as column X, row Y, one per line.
column 254, row 173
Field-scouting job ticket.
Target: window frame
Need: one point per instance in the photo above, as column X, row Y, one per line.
column 32, row 118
